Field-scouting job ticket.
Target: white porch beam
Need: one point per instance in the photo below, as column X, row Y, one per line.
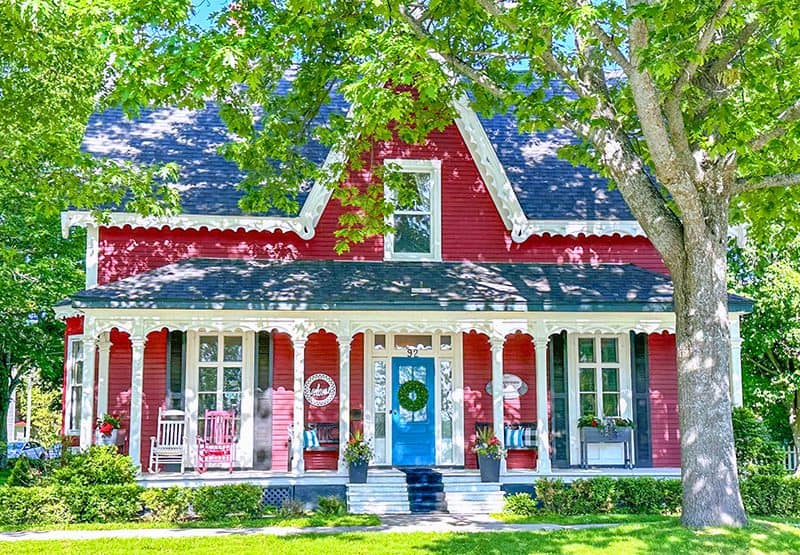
column 137, row 377
column 104, row 349
column 344, row 400
column 87, row 390
column 543, row 465
column 737, row 397
column 298, row 417
column 497, row 392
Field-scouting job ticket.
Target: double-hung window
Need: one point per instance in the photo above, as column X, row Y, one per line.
column 416, row 218
column 74, row 384
column 220, row 363
column 599, row 376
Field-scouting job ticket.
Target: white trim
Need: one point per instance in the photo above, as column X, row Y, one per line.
column 92, row 254
column 104, row 350
column 87, row 391
column 540, row 345
column 737, row 398
column 137, row 386
column 434, row 168
column 71, row 340
column 625, row 385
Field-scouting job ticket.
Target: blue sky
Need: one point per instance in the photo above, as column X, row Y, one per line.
column 204, row 8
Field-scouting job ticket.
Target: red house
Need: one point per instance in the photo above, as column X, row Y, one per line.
column 519, row 291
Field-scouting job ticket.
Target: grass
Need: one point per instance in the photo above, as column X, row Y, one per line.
column 627, row 539
column 308, row 521
column 610, row 518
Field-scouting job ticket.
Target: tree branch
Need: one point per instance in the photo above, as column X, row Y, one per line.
column 787, row 116
column 741, row 40
column 701, row 48
column 772, row 181
column 612, row 48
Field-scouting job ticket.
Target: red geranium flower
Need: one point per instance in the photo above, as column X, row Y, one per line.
column 594, row 423
column 106, row 429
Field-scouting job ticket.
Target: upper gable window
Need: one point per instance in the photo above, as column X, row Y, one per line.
column 416, row 218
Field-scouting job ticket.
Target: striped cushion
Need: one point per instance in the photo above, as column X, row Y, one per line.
column 521, row 437
column 310, row 439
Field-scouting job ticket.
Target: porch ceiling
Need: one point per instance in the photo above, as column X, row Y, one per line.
column 203, row 283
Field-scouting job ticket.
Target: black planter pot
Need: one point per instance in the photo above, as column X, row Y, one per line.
column 490, row 468
column 358, row 472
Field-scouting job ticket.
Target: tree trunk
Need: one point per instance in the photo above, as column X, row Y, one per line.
column 708, row 460
column 794, row 423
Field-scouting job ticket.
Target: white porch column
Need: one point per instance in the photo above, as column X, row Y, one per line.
column 736, row 362
column 137, row 376
column 542, row 423
column 497, row 392
column 104, row 348
column 298, row 421
column 87, row 390
column 344, row 400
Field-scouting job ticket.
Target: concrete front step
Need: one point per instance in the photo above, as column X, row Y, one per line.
column 384, row 493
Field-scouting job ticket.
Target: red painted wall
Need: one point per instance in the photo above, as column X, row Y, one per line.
column 282, row 399
column 119, row 380
column 664, row 400
column 519, row 359
column 477, row 403
column 357, row 380
column 154, row 390
column 322, row 356
column 466, row 202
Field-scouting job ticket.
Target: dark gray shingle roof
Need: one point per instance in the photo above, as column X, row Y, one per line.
column 204, row 283
column 547, row 187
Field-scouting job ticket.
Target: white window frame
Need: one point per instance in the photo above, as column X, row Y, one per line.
column 244, row 444
column 71, row 360
column 605, row 451
column 434, row 168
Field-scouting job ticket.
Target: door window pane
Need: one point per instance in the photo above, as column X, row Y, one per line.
column 208, row 378
column 610, row 379
column 412, row 233
column 611, row 404
column 233, row 349
column 380, row 342
column 608, row 350
column 232, row 379
column 419, row 342
column 209, row 348
column 445, row 343
column 586, row 349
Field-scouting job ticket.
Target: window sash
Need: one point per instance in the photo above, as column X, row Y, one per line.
column 75, row 359
column 599, row 394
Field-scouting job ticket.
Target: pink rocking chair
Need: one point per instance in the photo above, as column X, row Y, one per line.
column 218, row 444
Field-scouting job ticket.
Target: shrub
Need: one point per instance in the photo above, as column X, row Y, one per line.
column 39, row 505
column 215, row 502
column 331, row 506
column 102, row 503
column 521, row 504
column 99, row 465
column 24, row 473
column 167, row 505
column 555, row 497
column 771, row 495
column 292, row 507
column 756, row 452
column 648, row 495
column 596, row 495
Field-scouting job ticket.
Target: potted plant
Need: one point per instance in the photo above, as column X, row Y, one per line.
column 606, row 426
column 357, row 455
column 107, row 429
column 490, row 453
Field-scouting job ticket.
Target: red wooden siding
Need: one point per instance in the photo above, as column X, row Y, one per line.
column 282, row 399
column 154, row 390
column 465, row 201
column 477, row 403
column 519, row 359
column 357, row 381
column 322, row 356
column 119, row 379
column 664, row 400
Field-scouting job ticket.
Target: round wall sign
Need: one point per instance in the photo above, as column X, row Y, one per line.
column 319, row 390
column 513, row 386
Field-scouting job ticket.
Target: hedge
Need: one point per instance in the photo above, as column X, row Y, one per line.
column 763, row 495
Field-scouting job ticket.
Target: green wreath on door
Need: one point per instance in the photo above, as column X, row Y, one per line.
column 412, row 395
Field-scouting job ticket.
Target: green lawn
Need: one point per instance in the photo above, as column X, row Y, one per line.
column 297, row 521
column 610, row 518
column 666, row 537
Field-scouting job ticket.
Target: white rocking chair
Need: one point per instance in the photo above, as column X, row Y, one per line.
column 169, row 445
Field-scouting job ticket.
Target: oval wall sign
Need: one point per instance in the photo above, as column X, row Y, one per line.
column 319, row 390
column 513, row 386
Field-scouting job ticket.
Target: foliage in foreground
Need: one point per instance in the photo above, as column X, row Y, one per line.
column 763, row 495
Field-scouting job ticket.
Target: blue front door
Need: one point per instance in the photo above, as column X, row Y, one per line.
column 413, row 441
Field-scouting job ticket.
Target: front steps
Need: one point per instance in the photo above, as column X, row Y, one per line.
column 468, row 495
column 385, row 492
column 425, row 490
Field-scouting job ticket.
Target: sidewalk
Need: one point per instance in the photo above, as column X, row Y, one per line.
column 401, row 524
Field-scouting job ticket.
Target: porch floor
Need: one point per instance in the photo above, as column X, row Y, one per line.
column 266, row 478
